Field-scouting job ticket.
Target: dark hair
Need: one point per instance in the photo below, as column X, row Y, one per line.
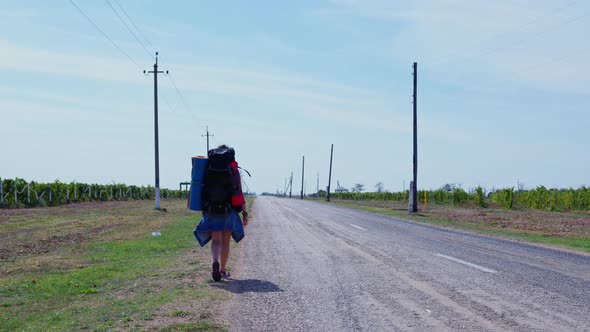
column 223, row 146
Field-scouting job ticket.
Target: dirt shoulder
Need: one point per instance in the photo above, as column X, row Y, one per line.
column 95, row 266
column 560, row 229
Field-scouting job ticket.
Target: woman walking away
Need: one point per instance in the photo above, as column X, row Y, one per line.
column 222, row 200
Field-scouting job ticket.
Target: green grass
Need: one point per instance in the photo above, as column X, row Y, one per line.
column 194, row 327
column 116, row 285
column 180, row 313
column 568, row 242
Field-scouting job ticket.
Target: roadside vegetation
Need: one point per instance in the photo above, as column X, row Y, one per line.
column 18, row 193
column 557, row 217
column 540, row 198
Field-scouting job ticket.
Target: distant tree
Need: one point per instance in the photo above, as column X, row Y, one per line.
column 450, row 187
column 358, row 188
column 379, row 187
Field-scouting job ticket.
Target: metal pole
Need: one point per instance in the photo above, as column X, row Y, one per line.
column 415, row 170
column 318, row 186
column 291, row 185
column 157, row 152
column 285, row 188
column 207, row 139
column 330, row 176
column 156, row 133
column 302, row 176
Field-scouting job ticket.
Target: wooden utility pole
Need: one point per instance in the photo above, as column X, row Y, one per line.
column 156, row 72
column 291, row 185
column 414, row 193
column 318, row 186
column 330, row 176
column 207, row 138
column 302, row 176
column 286, row 187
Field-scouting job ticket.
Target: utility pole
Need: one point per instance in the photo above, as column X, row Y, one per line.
column 302, row 176
column 330, row 176
column 285, row 189
column 318, row 186
column 156, row 72
column 414, row 193
column 291, row 185
column 207, row 138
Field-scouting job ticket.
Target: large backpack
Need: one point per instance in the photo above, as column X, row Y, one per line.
column 217, row 191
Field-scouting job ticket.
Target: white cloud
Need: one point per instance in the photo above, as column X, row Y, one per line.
column 488, row 45
column 211, row 79
column 15, row 57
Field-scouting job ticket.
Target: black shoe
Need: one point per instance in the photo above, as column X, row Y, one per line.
column 215, row 273
column 225, row 274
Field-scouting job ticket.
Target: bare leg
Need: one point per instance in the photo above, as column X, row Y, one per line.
column 215, row 252
column 216, row 247
column 225, row 248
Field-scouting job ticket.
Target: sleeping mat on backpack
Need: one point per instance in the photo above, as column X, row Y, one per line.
column 197, row 183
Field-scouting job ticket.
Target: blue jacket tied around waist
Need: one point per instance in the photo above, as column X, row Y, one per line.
column 217, row 223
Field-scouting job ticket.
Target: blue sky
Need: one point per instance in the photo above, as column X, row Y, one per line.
column 503, row 91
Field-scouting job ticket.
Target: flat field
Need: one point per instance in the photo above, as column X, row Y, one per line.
column 96, row 266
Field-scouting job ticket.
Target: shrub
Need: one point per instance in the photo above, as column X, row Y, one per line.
column 479, row 198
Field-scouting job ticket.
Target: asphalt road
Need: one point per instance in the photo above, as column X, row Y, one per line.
column 307, row 266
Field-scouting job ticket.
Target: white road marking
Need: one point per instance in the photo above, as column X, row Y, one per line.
column 481, row 268
column 358, row 227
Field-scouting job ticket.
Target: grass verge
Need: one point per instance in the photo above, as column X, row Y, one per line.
column 101, row 278
column 511, row 224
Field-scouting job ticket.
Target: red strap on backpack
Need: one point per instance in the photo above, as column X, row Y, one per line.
column 237, row 196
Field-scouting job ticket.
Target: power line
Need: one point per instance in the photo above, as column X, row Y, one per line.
column 162, row 63
column 104, row 34
column 135, row 25
column 143, row 45
column 529, row 68
column 178, row 91
column 535, row 35
column 168, row 103
column 486, row 51
column 129, row 29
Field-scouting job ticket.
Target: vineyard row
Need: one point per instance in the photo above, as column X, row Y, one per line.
column 15, row 193
column 540, row 198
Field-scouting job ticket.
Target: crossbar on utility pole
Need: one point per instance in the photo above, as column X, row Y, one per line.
column 208, row 135
column 157, row 152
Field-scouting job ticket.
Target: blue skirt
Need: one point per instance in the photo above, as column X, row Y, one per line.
column 218, row 223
